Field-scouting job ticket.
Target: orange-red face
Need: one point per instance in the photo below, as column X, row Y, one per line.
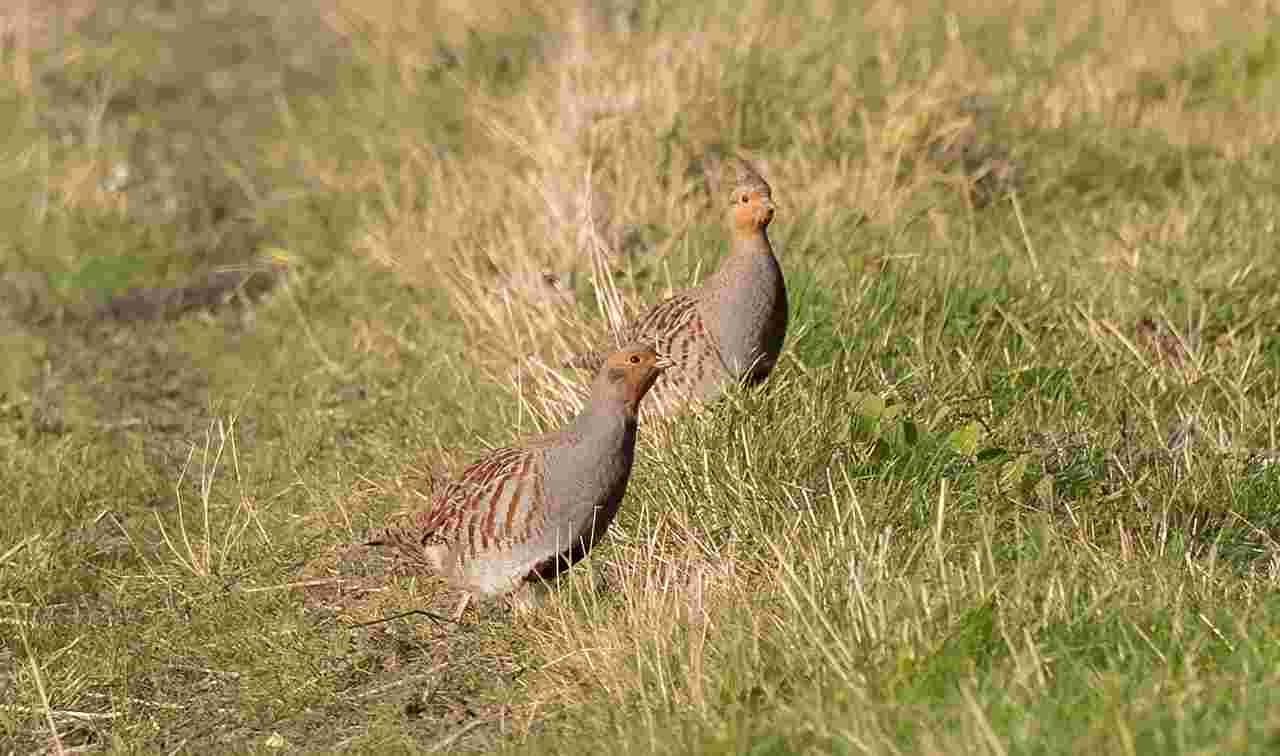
column 634, row 368
column 752, row 208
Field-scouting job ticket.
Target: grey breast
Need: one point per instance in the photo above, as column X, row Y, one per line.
column 585, row 481
column 753, row 318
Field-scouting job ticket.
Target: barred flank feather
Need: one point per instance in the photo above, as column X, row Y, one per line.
column 501, row 519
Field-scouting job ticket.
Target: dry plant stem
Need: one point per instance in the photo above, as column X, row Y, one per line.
column 44, row 697
column 197, row 556
column 402, row 682
column 1026, row 238
column 64, row 713
column 453, row 737
column 408, row 613
column 293, row 585
column 13, row 551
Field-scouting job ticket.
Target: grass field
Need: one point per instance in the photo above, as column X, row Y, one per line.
column 1012, row 488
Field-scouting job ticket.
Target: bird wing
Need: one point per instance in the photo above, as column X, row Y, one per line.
column 660, row 325
column 496, row 500
column 681, row 335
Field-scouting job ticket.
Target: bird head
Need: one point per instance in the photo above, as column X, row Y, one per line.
column 751, row 202
column 629, row 372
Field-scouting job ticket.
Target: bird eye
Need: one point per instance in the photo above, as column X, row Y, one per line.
column 635, row 359
column 745, row 198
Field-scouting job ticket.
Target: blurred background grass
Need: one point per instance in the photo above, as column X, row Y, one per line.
column 1012, row 489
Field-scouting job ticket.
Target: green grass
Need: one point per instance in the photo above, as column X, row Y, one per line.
column 1012, row 488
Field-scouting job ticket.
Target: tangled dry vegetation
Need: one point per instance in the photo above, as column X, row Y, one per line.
column 1012, row 487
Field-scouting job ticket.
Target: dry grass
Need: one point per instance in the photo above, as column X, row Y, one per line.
column 568, row 163
column 1011, row 488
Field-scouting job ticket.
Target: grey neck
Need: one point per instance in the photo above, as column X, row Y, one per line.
column 602, row 420
column 748, row 289
column 748, row 253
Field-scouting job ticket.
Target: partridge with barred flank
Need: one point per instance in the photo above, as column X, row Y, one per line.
column 528, row 512
column 730, row 329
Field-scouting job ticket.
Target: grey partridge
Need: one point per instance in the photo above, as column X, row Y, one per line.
column 730, row 329
column 527, row 512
